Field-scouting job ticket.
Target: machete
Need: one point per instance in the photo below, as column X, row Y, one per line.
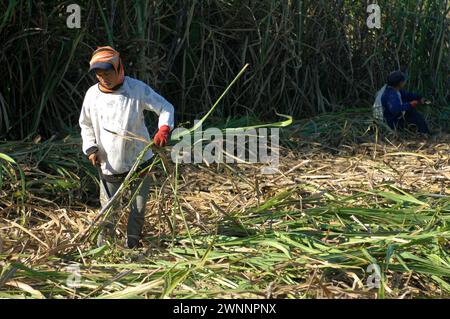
column 105, row 186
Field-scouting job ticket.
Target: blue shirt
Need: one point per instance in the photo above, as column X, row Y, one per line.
column 395, row 102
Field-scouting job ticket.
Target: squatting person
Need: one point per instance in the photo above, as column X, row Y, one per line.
column 399, row 106
column 113, row 108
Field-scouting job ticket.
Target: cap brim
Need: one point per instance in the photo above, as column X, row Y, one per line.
column 101, row 65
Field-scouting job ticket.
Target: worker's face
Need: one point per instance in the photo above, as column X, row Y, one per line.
column 402, row 85
column 107, row 78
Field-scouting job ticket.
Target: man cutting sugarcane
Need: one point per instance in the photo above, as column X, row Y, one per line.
column 398, row 106
column 113, row 109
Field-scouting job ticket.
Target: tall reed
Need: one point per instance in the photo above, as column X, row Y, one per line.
column 305, row 57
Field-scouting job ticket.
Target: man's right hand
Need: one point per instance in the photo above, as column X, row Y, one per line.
column 414, row 103
column 93, row 158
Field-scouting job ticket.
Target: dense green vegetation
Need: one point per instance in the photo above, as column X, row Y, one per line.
column 305, row 56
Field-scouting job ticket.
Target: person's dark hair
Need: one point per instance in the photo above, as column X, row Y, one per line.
column 395, row 78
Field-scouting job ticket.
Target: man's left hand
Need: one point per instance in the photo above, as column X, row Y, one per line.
column 162, row 136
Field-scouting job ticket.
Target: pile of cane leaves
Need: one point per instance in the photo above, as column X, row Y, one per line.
column 274, row 250
column 299, row 239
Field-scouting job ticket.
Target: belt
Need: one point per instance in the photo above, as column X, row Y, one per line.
column 118, row 178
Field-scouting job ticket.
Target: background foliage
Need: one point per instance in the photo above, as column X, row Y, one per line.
column 306, row 57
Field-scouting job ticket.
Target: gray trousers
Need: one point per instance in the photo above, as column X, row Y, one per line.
column 137, row 205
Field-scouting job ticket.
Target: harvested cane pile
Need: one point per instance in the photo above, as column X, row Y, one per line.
column 347, row 196
column 306, row 56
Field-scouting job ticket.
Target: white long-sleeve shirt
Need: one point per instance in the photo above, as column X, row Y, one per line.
column 121, row 112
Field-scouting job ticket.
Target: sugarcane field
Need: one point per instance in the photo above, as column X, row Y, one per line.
column 263, row 150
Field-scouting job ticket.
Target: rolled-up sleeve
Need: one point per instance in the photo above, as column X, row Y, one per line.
column 154, row 102
column 87, row 130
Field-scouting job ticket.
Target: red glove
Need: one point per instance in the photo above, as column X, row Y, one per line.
column 162, row 136
column 414, row 103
